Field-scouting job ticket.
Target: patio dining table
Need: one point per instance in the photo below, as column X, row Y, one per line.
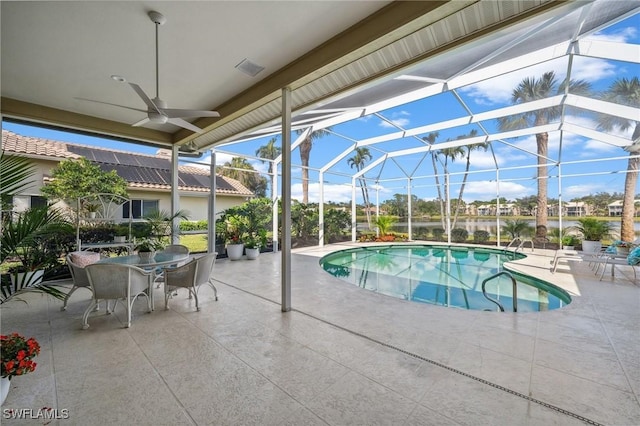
column 160, row 259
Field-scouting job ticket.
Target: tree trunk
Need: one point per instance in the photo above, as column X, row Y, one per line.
column 627, row 231
column 305, row 150
column 464, row 182
column 365, row 199
column 542, row 141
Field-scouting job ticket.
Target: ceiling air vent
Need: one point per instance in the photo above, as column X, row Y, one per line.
column 250, row 68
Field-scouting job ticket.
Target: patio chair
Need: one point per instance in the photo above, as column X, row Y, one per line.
column 191, row 276
column 172, row 248
column 595, row 260
column 76, row 263
column 119, row 283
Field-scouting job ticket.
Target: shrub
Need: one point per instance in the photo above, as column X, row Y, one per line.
column 481, row 236
column 192, row 225
column 438, row 233
column 459, row 235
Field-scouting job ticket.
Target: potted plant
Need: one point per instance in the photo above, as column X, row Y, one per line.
column 92, row 209
column 120, row 234
column 253, row 242
column 26, row 240
column 17, row 354
column 147, row 247
column 569, row 242
column 593, row 231
column 234, row 233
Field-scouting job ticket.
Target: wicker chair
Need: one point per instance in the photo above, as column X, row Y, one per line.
column 172, row 248
column 190, row 276
column 119, row 283
column 80, row 280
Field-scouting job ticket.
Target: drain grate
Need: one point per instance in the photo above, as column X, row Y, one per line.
column 432, row 362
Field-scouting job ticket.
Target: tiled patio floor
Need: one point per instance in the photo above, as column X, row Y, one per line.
column 343, row 356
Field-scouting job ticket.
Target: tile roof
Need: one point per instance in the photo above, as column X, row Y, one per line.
column 142, row 171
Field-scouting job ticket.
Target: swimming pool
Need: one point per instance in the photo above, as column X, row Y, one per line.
column 449, row 276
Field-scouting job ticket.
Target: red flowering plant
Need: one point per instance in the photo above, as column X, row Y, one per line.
column 17, row 354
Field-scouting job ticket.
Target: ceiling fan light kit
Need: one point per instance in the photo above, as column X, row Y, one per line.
column 157, row 110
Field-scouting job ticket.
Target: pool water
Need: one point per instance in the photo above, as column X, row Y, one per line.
column 449, row 276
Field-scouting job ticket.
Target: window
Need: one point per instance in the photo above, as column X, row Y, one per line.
column 139, row 208
column 37, row 201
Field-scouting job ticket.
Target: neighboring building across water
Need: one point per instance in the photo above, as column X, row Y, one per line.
column 148, row 176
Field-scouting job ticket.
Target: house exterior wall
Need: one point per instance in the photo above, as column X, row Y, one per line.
column 195, row 203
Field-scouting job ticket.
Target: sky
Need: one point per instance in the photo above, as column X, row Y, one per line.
column 514, row 159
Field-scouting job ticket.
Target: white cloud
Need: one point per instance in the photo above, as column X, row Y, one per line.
column 498, row 90
column 576, row 191
column 332, row 192
column 621, row 36
column 401, row 122
column 486, row 190
column 399, row 118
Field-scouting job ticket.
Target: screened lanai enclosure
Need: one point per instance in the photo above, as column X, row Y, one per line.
column 492, row 119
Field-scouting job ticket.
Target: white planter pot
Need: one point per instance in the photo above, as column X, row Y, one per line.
column 26, row 279
column 568, row 248
column 5, row 384
column 252, row 253
column 234, row 251
column 591, row 246
column 146, row 255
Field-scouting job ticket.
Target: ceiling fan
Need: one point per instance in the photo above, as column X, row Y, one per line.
column 157, row 111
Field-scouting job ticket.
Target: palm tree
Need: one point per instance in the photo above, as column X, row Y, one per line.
column 305, row 151
column 270, row 151
column 625, row 92
column 531, row 89
column 431, row 139
column 449, row 154
column 249, row 178
column 468, row 148
column 358, row 161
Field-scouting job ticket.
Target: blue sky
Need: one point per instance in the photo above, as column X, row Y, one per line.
column 480, row 97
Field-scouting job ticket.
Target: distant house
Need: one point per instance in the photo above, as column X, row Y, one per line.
column 509, row 210
column 615, row 208
column 577, row 208
column 486, row 210
column 148, row 176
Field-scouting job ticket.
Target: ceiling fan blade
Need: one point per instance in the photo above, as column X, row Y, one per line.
column 145, row 98
column 141, row 122
column 185, row 125
column 115, row 105
column 186, row 113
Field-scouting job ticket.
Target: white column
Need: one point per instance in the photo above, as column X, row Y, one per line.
column 286, row 201
column 448, row 210
column 353, row 210
column 377, row 206
column 560, row 204
column 321, row 211
column 498, row 206
column 409, row 206
column 175, row 196
column 211, row 214
column 274, row 207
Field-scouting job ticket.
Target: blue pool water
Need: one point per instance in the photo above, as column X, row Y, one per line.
column 443, row 275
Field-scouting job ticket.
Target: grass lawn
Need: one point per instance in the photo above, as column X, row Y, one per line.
column 195, row 242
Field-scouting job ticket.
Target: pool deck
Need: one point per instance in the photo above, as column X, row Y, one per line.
column 342, row 356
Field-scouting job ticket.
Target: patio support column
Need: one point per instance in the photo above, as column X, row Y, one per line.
column 498, row 206
column 409, row 207
column 274, row 206
column 286, row 201
column 211, row 214
column 560, row 205
column 353, row 210
column 321, row 211
column 175, row 196
column 377, row 207
column 448, row 211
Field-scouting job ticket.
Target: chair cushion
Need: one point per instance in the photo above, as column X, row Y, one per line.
column 634, row 257
column 84, row 258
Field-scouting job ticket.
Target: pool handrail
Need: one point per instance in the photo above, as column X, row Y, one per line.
column 514, row 296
